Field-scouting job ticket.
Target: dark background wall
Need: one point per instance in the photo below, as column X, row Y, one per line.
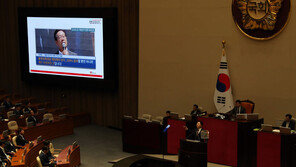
column 106, row 107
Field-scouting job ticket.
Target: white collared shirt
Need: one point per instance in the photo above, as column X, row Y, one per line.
column 287, row 124
column 22, row 136
column 60, row 53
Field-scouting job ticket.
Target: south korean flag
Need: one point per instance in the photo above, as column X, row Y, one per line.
column 223, row 95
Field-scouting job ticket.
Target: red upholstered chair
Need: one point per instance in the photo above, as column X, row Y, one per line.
column 248, row 105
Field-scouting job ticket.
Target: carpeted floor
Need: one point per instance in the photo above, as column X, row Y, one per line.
column 99, row 145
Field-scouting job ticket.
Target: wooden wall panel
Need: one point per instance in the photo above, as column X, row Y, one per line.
column 106, row 107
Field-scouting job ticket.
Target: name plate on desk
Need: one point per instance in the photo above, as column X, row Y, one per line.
column 253, row 117
column 241, row 116
column 194, row 141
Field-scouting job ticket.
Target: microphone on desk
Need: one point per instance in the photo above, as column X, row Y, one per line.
column 191, row 134
column 162, row 145
column 166, row 128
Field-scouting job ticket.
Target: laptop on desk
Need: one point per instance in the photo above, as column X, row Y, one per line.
column 266, row 127
column 241, row 116
column 252, row 117
column 285, row 130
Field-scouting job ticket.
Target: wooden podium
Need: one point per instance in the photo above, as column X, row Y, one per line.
column 193, row 153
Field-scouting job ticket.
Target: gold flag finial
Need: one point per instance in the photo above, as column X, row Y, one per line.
column 223, row 43
column 223, row 47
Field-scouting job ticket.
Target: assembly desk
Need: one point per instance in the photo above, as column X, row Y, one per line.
column 275, row 149
column 21, row 159
column 229, row 140
column 57, row 128
column 141, row 137
column 69, row 157
column 22, row 121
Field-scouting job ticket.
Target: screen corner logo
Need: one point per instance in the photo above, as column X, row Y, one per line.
column 95, row 21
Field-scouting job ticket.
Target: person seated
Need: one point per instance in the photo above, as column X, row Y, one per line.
column 195, row 132
column 238, row 109
column 18, row 111
column 47, row 144
column 289, row 122
column 196, row 111
column 9, row 147
column 27, row 109
column 3, row 156
column 32, row 119
column 7, row 103
column 45, row 159
column 20, row 139
column 165, row 119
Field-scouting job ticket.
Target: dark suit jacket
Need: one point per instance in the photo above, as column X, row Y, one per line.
column 192, row 134
column 291, row 125
column 32, row 119
column 7, row 104
column 20, row 140
column 18, row 113
column 165, row 121
column 45, row 160
column 235, row 110
column 49, row 154
column 9, row 148
column 196, row 112
column 27, row 110
column 3, row 155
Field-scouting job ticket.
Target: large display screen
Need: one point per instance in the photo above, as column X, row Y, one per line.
column 66, row 46
column 73, row 47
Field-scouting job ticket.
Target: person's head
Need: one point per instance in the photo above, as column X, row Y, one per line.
column 60, row 37
column 21, row 131
column 45, row 149
column 46, row 143
column 8, row 98
column 32, row 112
column 18, row 107
column 237, row 103
column 288, row 117
column 195, row 107
column 168, row 113
column 199, row 124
